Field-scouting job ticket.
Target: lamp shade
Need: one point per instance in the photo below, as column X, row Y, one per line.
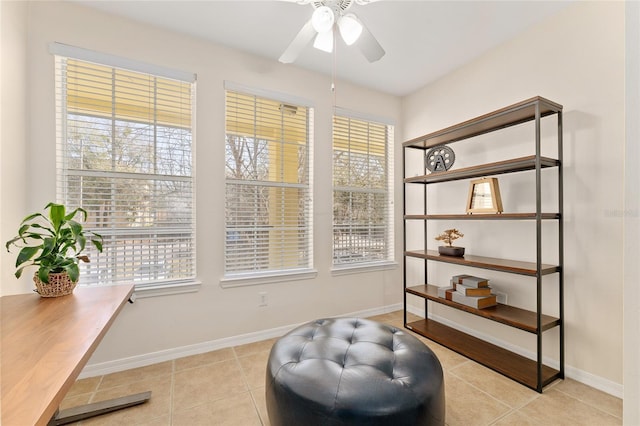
column 323, row 19
column 350, row 28
column 324, row 41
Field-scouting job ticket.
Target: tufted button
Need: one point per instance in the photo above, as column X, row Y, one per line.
column 353, row 372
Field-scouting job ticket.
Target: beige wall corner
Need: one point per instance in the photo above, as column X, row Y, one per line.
column 631, row 365
column 13, row 135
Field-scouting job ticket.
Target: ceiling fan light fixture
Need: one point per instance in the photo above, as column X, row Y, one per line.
column 321, row 28
column 324, row 41
column 323, row 19
column 350, row 28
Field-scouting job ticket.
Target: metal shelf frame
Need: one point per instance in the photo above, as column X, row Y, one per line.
column 533, row 109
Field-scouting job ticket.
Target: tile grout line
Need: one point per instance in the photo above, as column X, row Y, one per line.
column 511, row 410
column 235, row 357
column 172, row 391
column 95, row 390
column 255, row 407
column 588, row 404
column 246, row 382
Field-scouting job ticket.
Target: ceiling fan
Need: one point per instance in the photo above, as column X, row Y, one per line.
column 327, row 16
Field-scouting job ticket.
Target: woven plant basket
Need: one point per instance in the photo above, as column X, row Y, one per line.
column 59, row 285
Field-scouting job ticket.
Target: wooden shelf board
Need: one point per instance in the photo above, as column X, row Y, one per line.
column 512, row 365
column 504, row 265
column 482, row 216
column 505, row 314
column 512, row 115
column 499, row 167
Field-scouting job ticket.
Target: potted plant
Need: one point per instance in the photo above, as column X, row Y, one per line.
column 54, row 244
column 448, row 237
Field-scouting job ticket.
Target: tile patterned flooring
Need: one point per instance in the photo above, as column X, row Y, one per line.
column 226, row 387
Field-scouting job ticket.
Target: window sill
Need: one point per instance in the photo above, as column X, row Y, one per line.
column 268, row 278
column 142, row 292
column 361, row 268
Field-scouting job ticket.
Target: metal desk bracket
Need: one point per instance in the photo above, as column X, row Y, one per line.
column 82, row 412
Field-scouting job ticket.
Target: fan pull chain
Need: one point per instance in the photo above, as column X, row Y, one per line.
column 333, row 70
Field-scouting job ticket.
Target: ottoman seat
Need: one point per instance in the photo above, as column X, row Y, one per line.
column 351, row 371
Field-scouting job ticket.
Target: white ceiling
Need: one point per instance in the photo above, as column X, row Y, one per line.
column 423, row 40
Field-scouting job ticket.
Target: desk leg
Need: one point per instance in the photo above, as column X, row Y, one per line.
column 82, row 412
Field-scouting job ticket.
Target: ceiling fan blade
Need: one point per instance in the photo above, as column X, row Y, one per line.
column 299, row 42
column 369, row 46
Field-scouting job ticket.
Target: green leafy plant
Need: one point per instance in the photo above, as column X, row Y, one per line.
column 53, row 243
column 448, row 236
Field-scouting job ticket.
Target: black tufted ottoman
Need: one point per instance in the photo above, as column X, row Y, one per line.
column 351, row 371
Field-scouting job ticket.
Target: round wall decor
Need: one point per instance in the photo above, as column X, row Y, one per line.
column 439, row 158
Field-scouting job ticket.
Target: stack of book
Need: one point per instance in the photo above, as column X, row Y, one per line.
column 470, row 291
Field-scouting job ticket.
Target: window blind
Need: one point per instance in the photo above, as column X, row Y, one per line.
column 268, row 188
column 125, row 153
column 362, row 191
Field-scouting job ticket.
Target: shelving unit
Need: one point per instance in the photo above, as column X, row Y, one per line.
column 530, row 372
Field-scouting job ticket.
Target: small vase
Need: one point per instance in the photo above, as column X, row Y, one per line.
column 451, row 251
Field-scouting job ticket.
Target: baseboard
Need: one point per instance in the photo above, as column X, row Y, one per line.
column 99, row 369
column 600, row 383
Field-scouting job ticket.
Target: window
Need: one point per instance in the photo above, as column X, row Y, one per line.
column 125, row 152
column 362, row 192
column 268, row 218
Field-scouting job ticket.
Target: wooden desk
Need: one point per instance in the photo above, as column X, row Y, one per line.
column 45, row 344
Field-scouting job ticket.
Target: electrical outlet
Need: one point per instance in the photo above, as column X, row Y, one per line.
column 502, row 297
column 262, row 298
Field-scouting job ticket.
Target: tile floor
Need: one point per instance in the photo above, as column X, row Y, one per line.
column 226, row 387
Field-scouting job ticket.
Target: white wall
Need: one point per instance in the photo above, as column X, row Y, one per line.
column 13, row 131
column 631, row 415
column 161, row 323
column 575, row 58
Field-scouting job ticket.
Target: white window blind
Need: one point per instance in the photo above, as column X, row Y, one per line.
column 362, row 191
column 125, row 154
column 268, row 159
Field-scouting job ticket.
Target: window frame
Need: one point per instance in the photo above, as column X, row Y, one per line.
column 247, row 278
column 368, row 265
column 63, row 53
